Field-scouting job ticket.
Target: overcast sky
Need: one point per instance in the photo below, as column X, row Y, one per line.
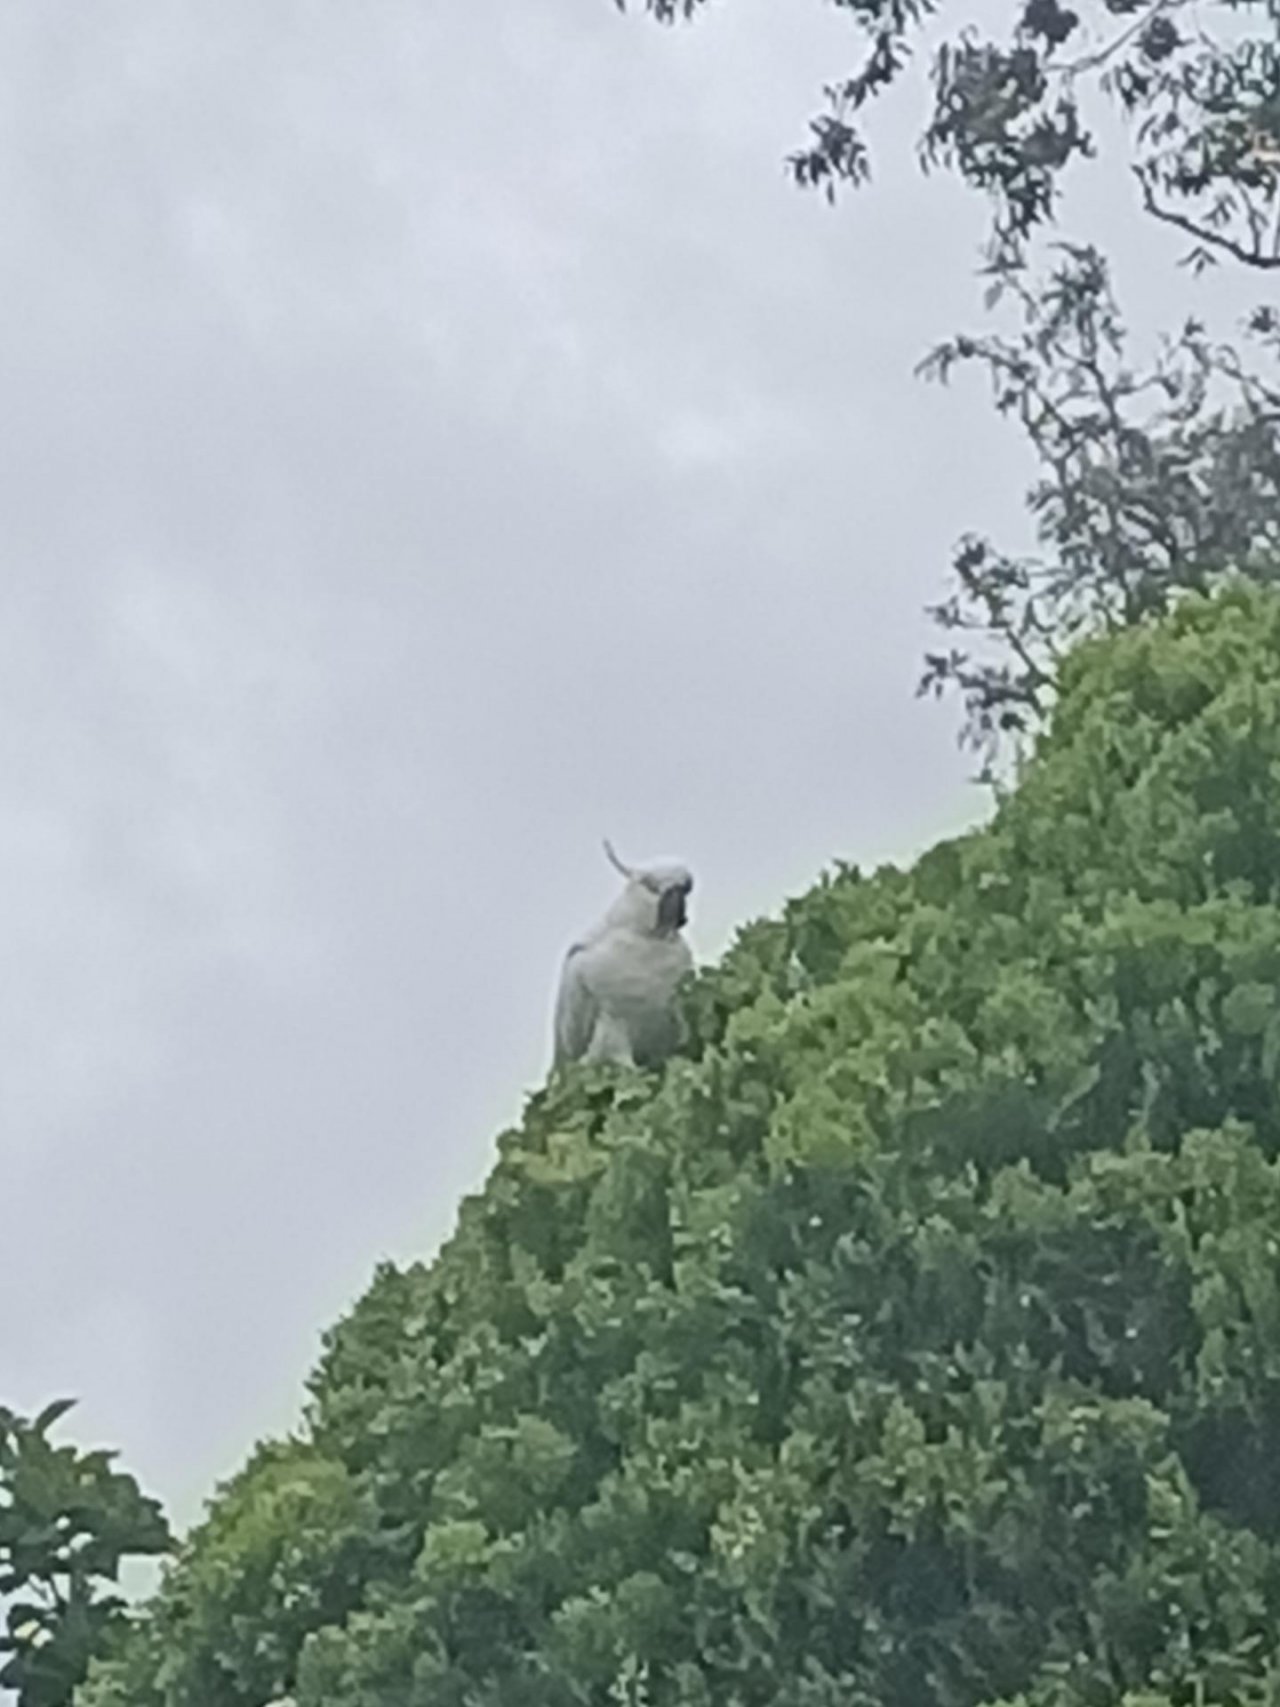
column 433, row 437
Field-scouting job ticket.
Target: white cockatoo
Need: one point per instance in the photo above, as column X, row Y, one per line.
column 618, row 984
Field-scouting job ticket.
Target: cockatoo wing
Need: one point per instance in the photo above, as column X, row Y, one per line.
column 577, row 1009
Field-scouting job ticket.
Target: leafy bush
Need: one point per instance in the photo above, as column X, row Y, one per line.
column 914, row 1339
column 67, row 1521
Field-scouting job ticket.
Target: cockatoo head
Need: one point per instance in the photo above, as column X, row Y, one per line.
column 656, row 898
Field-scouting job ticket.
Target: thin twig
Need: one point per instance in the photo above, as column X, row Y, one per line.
column 1250, row 257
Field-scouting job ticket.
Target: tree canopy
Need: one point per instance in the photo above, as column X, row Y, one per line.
column 1153, row 479
column 67, row 1521
column 913, row 1339
column 1197, row 86
column 1155, row 476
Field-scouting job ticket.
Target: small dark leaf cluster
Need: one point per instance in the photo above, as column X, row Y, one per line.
column 1199, row 87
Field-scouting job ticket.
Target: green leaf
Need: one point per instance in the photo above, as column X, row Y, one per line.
column 51, row 1414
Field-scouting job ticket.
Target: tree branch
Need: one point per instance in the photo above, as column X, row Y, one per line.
column 1250, row 257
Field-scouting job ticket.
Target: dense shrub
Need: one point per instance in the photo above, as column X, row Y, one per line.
column 68, row 1521
column 914, row 1339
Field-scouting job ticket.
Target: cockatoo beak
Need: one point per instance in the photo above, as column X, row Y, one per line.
column 672, row 912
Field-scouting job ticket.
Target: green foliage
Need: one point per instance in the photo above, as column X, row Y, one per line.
column 1152, row 480
column 287, row 1548
column 1154, row 477
column 1014, row 110
column 911, row 1341
column 67, row 1520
